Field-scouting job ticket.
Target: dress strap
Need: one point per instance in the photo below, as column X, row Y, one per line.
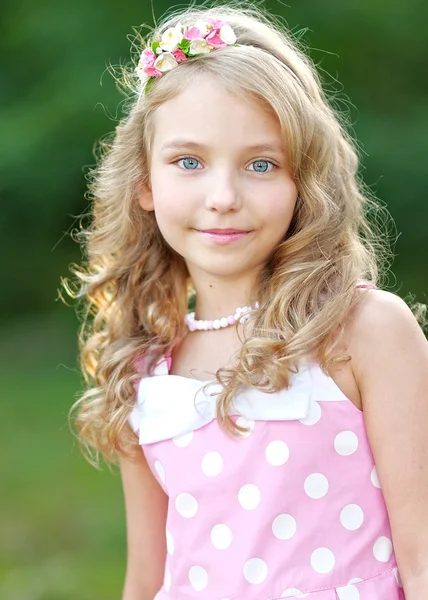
column 162, row 367
column 366, row 284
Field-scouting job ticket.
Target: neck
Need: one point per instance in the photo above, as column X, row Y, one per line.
column 218, row 297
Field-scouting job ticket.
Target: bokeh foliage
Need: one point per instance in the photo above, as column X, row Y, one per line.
column 63, row 522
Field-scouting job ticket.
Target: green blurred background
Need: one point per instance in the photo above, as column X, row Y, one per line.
column 62, row 523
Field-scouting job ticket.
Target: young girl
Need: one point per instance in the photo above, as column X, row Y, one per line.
column 276, row 443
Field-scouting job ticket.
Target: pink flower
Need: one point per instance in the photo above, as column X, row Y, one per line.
column 179, row 55
column 148, row 57
column 216, row 23
column 192, row 33
column 214, row 40
column 152, row 72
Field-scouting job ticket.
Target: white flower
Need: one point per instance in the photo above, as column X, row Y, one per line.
column 198, row 46
column 227, row 35
column 204, row 27
column 165, row 62
column 142, row 76
column 171, row 38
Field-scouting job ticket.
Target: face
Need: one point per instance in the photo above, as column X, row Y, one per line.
column 221, row 188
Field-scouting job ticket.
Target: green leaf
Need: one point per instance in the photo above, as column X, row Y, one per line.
column 184, row 45
column 149, row 84
column 155, row 46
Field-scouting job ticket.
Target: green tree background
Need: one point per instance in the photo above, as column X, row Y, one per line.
column 62, row 522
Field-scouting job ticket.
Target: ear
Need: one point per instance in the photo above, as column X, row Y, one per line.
column 145, row 197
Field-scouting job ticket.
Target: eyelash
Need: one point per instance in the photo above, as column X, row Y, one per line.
column 254, row 161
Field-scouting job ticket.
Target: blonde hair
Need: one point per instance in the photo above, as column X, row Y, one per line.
column 136, row 289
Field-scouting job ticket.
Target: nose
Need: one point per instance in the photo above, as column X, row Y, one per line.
column 223, row 194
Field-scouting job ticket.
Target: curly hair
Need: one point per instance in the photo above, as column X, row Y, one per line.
column 136, row 289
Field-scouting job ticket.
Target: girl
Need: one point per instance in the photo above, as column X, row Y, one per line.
column 276, row 446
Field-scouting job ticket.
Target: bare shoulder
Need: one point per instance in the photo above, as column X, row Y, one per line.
column 380, row 334
column 379, row 308
column 382, row 327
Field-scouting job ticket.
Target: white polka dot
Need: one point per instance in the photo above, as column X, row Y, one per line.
column 221, row 537
column 255, row 570
column 314, row 415
column 293, row 593
column 160, row 470
column 352, row 517
column 346, row 443
column 167, row 580
column 198, row 577
column 277, row 453
column 374, row 478
column 183, row 440
column 212, row 464
column 248, row 424
column 397, row 576
column 169, row 542
column 249, row 496
column 382, row 549
column 284, row 527
column 348, row 592
column 316, row 486
column 322, row 560
column 186, row 505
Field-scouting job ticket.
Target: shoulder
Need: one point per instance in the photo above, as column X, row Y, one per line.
column 379, row 318
column 383, row 335
column 384, row 311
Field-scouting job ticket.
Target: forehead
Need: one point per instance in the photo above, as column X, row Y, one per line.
column 206, row 112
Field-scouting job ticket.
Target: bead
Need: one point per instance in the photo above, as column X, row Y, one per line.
column 231, row 320
column 223, row 322
column 216, row 323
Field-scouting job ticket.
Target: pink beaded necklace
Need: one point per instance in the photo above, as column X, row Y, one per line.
column 207, row 325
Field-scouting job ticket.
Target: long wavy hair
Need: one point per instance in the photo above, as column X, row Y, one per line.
column 135, row 290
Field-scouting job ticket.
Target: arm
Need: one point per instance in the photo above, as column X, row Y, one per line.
column 146, row 507
column 390, row 363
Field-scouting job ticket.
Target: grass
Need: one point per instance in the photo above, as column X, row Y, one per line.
column 62, row 522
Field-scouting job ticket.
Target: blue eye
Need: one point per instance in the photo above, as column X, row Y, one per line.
column 261, row 166
column 189, row 163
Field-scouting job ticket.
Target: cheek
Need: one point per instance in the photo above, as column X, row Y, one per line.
column 280, row 205
column 172, row 213
column 175, row 200
column 167, row 202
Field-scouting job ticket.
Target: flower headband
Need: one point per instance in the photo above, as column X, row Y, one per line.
column 179, row 43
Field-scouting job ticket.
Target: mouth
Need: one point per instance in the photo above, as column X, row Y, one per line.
column 224, row 236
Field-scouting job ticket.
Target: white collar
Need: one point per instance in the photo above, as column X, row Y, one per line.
column 169, row 406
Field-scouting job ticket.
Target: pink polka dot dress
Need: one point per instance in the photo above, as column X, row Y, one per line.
column 293, row 509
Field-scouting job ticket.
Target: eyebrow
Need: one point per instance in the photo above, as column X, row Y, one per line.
column 180, row 144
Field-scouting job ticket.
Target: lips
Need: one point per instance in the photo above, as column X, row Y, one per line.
column 224, row 236
column 224, row 231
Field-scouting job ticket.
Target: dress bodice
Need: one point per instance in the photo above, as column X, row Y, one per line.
column 293, row 508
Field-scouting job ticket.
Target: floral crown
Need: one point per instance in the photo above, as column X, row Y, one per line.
column 179, row 43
